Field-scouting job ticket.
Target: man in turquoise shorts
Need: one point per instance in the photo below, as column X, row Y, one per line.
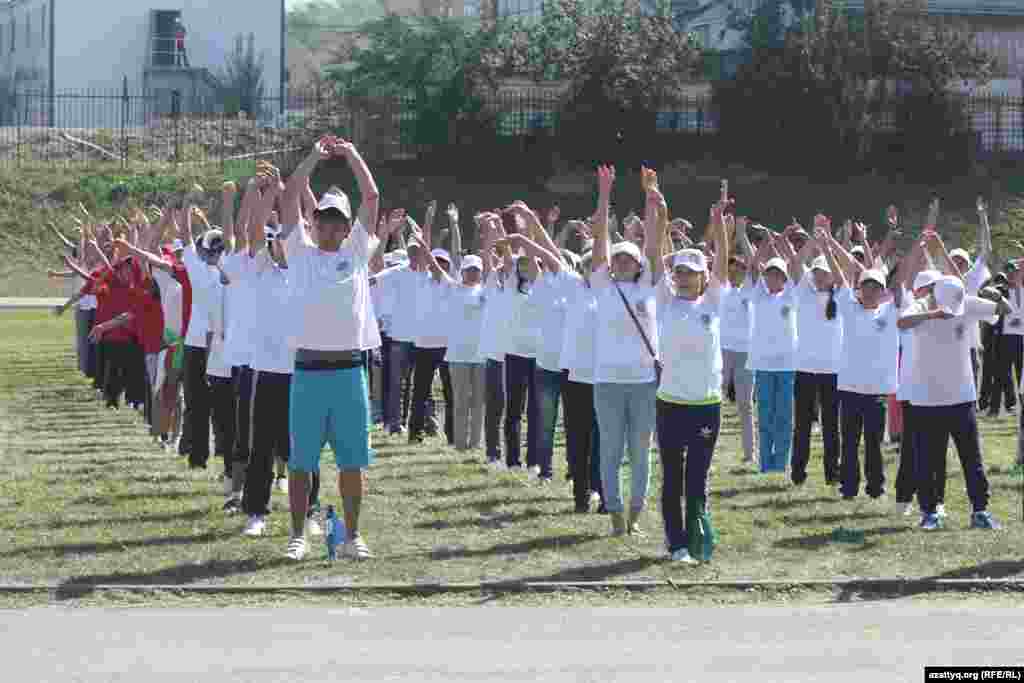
column 328, row 267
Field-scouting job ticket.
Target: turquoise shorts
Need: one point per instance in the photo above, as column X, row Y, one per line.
column 329, row 407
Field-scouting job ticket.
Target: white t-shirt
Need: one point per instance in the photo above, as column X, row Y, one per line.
column 1014, row 321
column 620, row 355
column 559, row 290
column 941, row 372
column 202, row 277
column 465, row 318
column 522, row 336
column 819, row 340
column 774, row 343
column 87, row 302
column 494, row 326
column 580, row 332
column 398, row 290
column 331, row 293
column 170, row 300
column 432, row 305
column 737, row 321
column 973, row 280
column 871, row 346
column 691, row 348
column 216, row 364
column 269, row 286
column 245, row 308
column 382, row 296
column 906, row 348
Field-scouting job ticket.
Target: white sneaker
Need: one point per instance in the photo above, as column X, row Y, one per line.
column 908, row 509
column 296, row 548
column 227, row 486
column 313, row 527
column 357, row 549
column 595, row 498
column 534, row 472
column 282, row 485
column 940, row 510
column 682, row 555
column 255, row 526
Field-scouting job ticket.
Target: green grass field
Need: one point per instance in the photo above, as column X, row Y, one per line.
column 88, row 499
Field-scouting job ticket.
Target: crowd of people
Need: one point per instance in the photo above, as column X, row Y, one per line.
column 276, row 328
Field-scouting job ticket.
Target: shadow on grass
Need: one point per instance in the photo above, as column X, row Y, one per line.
column 118, row 546
column 489, row 522
column 459, row 490
column 491, row 503
column 996, row 569
column 523, row 548
column 599, row 572
column 782, row 504
column 819, row 541
column 110, row 521
column 832, row 519
column 182, row 574
column 117, row 498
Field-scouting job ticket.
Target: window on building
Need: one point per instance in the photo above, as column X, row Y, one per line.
column 42, row 25
column 14, row 35
column 28, row 29
column 520, row 8
column 471, row 8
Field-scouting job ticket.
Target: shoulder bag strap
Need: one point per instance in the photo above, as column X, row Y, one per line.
column 639, row 327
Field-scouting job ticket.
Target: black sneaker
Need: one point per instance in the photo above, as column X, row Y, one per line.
column 232, row 506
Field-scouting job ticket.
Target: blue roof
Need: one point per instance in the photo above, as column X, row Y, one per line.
column 969, row 8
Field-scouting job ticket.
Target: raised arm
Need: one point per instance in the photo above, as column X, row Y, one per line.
column 152, row 260
column 742, row 239
column 785, row 249
column 602, row 243
column 369, row 204
column 825, row 243
column 552, row 262
column 540, row 238
column 984, row 233
column 655, row 216
column 439, row 274
column 851, row 267
column 298, row 183
column 720, row 236
column 453, row 223
column 933, row 243
column 68, row 244
column 227, row 211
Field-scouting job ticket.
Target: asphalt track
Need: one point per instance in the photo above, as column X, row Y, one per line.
column 881, row 641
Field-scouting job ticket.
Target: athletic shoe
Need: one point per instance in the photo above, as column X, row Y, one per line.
column 255, row 526
column 296, row 548
column 682, row 555
column 227, row 486
column 313, row 527
column 357, row 549
column 940, row 510
column 233, row 505
column 984, row 520
column 396, row 430
column 534, row 471
column 931, row 522
column 282, row 485
column 544, row 481
column 595, row 498
column 905, row 509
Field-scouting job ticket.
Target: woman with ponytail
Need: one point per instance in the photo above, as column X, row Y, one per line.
column 820, row 340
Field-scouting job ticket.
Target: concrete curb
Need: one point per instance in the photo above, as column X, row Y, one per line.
column 898, row 585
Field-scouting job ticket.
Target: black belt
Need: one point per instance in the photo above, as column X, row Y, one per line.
column 313, row 359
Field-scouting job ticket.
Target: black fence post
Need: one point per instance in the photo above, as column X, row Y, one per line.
column 124, row 123
column 17, row 116
column 176, row 117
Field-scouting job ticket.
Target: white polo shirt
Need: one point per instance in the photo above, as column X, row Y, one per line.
column 244, row 307
column 941, row 373
column 580, row 333
column 1014, row 321
column 620, row 355
column 871, row 338
column 494, row 325
column 465, row 319
column 216, row 364
column 819, row 340
column 774, row 343
column 331, row 293
column 559, row 289
column 691, row 348
column 432, row 299
column 202, row 278
column 737, row 320
column 268, row 285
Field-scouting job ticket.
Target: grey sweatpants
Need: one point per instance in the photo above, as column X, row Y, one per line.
column 83, row 325
column 468, row 389
column 734, row 369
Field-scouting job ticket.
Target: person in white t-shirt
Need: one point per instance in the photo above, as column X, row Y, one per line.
column 737, row 328
column 944, row 394
column 1010, row 345
column 869, row 367
column 690, row 392
column 333, row 325
column 819, row 348
column 626, row 349
column 493, row 329
column 773, row 350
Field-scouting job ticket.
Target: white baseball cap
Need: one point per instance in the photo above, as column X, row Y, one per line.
column 926, row 278
column 472, row 261
column 950, row 295
column 338, row 202
column 778, row 263
column 872, row 275
column 962, row 253
column 692, row 259
column 821, row 263
column 631, row 250
column 441, row 254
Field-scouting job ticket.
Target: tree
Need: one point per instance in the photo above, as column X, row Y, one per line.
column 437, row 62
column 241, row 79
column 828, row 87
column 309, row 22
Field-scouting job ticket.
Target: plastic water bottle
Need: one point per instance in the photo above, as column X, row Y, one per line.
column 334, row 532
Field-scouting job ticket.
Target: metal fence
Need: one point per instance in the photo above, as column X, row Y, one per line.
column 122, row 127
